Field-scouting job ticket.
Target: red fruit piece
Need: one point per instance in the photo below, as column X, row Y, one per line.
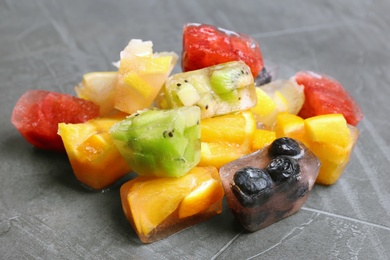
column 37, row 113
column 325, row 95
column 205, row 45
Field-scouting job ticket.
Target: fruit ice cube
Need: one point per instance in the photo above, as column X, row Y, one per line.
column 99, row 87
column 226, row 138
column 328, row 136
column 164, row 143
column 37, row 114
column 141, row 74
column 206, row 45
column 334, row 158
column 269, row 184
column 95, row 160
column 157, row 207
column 325, row 95
column 277, row 97
column 217, row 90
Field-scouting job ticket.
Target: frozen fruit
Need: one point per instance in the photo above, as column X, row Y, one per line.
column 284, row 146
column 95, row 160
column 206, row 45
column 252, row 186
column 37, row 113
column 262, row 138
column 283, row 167
column 328, row 136
column 265, row 110
column 330, row 128
column 290, row 125
column 277, row 97
column 217, row 154
column 226, row 138
column 141, row 75
column 325, row 95
column 207, row 193
column 217, row 90
column 158, row 207
column 160, row 142
column 289, row 189
column 332, row 140
column 237, row 128
column 99, row 87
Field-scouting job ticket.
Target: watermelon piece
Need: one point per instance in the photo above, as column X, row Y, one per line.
column 205, row 45
column 37, row 114
column 325, row 95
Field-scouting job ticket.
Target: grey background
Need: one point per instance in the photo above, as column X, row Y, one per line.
column 46, row 214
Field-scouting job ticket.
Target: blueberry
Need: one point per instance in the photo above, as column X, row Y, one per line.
column 252, row 186
column 264, row 77
column 284, row 146
column 282, row 168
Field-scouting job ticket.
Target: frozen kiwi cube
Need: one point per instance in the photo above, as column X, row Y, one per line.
column 217, row 90
column 162, row 143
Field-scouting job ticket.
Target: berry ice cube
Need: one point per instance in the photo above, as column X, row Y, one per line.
column 269, row 184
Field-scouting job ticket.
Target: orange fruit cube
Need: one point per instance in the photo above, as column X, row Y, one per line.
column 333, row 158
column 157, row 207
column 218, row 154
column 236, row 128
column 290, row 125
column 95, row 160
column 262, row 138
column 207, row 192
column 329, row 128
column 226, row 138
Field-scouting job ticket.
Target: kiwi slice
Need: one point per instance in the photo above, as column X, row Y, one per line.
column 230, row 77
column 217, row 90
column 164, row 143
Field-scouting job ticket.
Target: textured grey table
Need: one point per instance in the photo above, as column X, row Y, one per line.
column 46, row 214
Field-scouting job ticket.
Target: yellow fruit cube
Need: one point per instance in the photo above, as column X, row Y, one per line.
column 157, row 207
column 330, row 172
column 329, row 128
column 207, row 192
column 237, row 128
column 333, row 153
column 290, row 125
column 95, row 160
column 265, row 110
column 262, row 138
column 333, row 158
column 218, row 154
column 150, row 204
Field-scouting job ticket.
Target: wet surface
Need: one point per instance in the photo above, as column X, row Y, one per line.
column 46, row 214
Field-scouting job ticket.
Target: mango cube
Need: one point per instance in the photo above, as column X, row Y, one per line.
column 329, row 128
column 157, row 207
column 95, row 160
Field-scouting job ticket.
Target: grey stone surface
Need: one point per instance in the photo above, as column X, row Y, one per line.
column 46, row 214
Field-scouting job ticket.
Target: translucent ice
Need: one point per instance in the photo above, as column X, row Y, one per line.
column 265, row 187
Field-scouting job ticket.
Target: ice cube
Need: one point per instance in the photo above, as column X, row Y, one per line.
column 283, row 196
